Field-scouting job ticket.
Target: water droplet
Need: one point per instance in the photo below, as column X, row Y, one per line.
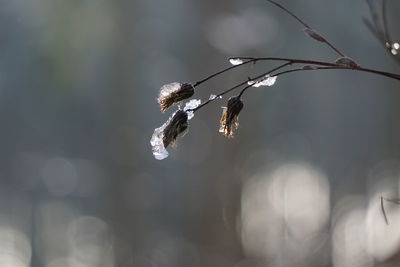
column 394, row 51
column 396, row 46
column 235, row 61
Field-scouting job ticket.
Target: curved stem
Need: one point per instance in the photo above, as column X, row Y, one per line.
column 328, row 64
column 385, row 24
column 307, row 26
column 221, row 72
column 240, row 84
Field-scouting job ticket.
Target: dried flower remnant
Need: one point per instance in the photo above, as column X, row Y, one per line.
column 173, row 93
column 229, row 119
column 167, row 134
column 235, row 61
column 265, row 81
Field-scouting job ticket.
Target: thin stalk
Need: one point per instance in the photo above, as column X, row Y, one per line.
column 383, row 211
column 338, row 67
column 385, row 24
column 221, row 72
column 239, row 85
column 307, row 26
column 328, row 64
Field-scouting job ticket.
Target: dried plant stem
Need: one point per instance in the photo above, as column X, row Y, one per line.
column 318, row 65
column 328, row 64
column 221, row 72
column 379, row 26
column 241, row 84
column 385, row 23
column 307, row 26
column 383, row 211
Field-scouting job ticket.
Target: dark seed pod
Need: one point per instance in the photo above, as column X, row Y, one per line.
column 176, row 127
column 173, row 93
column 229, row 119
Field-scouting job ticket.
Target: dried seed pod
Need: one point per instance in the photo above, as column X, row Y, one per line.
column 229, row 119
column 313, row 34
column 176, row 127
column 173, row 93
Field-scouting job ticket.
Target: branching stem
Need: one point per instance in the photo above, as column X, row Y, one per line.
column 307, row 26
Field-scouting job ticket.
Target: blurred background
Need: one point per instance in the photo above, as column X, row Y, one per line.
column 299, row 185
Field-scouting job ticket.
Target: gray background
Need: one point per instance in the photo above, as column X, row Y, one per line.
column 299, row 185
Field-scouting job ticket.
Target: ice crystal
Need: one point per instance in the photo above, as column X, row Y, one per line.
column 212, row 97
column 157, row 143
column 235, row 61
column 265, row 81
column 190, row 105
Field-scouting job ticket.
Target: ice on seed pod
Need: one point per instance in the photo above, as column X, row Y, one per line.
column 190, row 105
column 176, row 126
column 157, row 143
column 265, row 81
column 235, row 61
column 173, row 93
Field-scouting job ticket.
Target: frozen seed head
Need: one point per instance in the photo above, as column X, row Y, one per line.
column 176, row 127
column 167, row 134
column 229, row 119
column 173, row 93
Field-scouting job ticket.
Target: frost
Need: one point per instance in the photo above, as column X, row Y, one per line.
column 190, row 105
column 265, row 81
column 212, row 97
column 157, row 144
column 235, row 61
column 167, row 89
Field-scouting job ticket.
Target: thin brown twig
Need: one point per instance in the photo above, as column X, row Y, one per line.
column 241, row 84
column 324, row 40
column 322, row 65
